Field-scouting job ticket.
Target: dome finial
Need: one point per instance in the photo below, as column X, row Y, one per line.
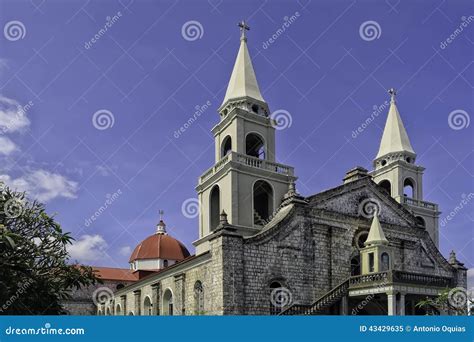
column 161, row 226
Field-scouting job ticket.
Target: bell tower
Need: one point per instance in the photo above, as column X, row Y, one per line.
column 395, row 170
column 245, row 182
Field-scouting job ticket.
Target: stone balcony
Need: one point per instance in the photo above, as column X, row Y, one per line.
column 419, row 203
column 249, row 161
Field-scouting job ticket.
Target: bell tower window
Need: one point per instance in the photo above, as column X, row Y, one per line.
column 226, row 146
column 385, row 184
column 254, row 146
column 408, row 188
column 262, row 201
column 214, row 207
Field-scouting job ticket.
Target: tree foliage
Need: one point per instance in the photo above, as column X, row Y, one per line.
column 35, row 273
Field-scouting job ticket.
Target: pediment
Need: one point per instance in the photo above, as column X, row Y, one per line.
column 359, row 199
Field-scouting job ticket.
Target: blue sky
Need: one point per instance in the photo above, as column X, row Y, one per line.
column 148, row 77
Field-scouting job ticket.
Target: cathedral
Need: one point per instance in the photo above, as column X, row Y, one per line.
column 368, row 246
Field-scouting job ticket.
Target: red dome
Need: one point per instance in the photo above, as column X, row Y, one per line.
column 160, row 246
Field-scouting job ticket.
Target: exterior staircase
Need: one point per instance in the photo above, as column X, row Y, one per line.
column 322, row 303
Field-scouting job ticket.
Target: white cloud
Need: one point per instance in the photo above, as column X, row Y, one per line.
column 125, row 251
column 7, row 146
column 43, row 185
column 88, row 248
column 12, row 115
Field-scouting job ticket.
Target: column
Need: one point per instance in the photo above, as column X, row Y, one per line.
column 179, row 296
column 137, row 294
column 391, row 304
column 156, row 296
column 344, row 305
column 123, row 299
column 401, row 304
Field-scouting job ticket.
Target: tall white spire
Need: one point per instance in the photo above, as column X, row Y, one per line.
column 376, row 235
column 243, row 82
column 395, row 137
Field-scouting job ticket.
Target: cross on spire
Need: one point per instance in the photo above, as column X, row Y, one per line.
column 243, row 27
column 161, row 213
column 392, row 93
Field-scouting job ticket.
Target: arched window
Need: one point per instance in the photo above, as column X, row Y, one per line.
column 409, row 188
column 355, row 265
column 276, row 296
column 262, row 202
column 385, row 184
column 165, row 263
column 198, row 298
column 226, row 146
column 147, row 306
column 215, row 206
column 420, row 221
column 118, row 310
column 385, row 261
column 254, row 146
column 168, row 303
column 120, row 286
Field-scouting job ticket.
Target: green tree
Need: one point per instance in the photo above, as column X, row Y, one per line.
column 35, row 272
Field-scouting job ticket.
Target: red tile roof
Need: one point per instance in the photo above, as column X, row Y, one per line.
column 160, row 246
column 109, row 273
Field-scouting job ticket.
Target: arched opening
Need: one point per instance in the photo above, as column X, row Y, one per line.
column 226, row 146
column 420, row 221
column 385, row 262
column 360, row 239
column 118, row 310
column 355, row 265
column 131, row 313
column 109, row 313
column 254, row 146
column 386, row 186
column 409, row 188
column 165, row 263
column 99, row 313
column 255, row 109
column 214, row 207
column 198, row 298
column 277, row 294
column 119, row 286
column 147, row 306
column 262, row 202
column 168, row 303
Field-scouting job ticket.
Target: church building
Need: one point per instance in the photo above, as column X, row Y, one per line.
column 368, row 246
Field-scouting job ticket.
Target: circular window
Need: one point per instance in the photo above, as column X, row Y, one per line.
column 360, row 238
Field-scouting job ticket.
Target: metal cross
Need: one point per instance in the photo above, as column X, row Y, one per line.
column 392, row 93
column 243, row 27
